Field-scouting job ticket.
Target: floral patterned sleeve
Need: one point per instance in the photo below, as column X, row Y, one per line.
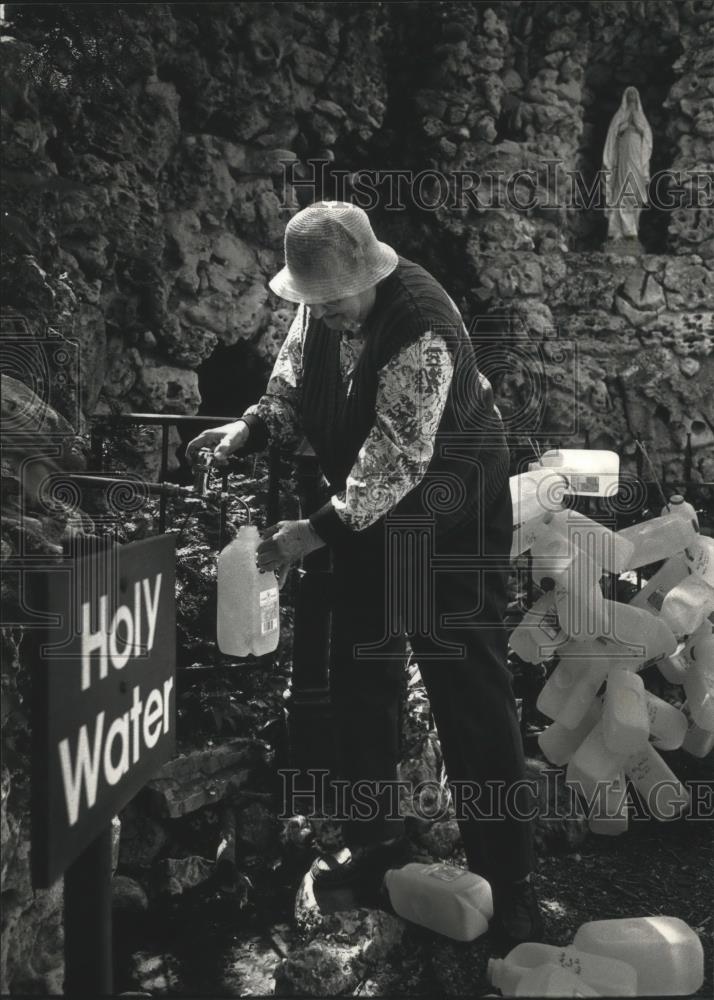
column 278, row 409
column 411, row 395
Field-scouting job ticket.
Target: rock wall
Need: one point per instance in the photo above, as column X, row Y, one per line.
column 150, row 154
column 153, row 153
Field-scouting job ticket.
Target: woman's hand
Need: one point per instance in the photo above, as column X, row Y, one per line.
column 286, row 542
column 224, row 441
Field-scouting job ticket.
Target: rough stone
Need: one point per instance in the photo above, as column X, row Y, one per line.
column 177, row 875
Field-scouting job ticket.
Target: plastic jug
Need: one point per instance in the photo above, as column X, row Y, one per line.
column 580, row 697
column 534, row 493
column 668, row 725
column 609, row 810
column 687, row 605
column 604, row 547
column 625, row 719
column 588, row 473
column 652, row 595
column 248, row 620
column 632, row 626
column 664, row 795
column 658, row 538
column 700, row 558
column 678, row 505
column 592, row 765
column 607, row 977
column 551, row 555
column 527, row 533
column 699, row 683
column 578, row 599
column 557, row 688
column 604, row 649
column 559, row 743
column 666, row 954
column 538, row 634
column 444, row 898
column 697, row 741
column 553, row 981
column 675, row 666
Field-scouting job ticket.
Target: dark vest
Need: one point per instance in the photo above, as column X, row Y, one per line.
column 469, row 467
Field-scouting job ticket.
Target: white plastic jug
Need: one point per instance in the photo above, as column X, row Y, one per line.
column 604, row 649
column 589, row 473
column 534, row 493
column 592, row 765
column 625, row 719
column 248, row 620
column 580, row 698
column 551, row 555
column 687, row 605
column 668, row 725
column 611, row 978
column 658, row 538
column 699, row 683
column 700, row 558
column 559, row 743
column 609, row 811
column 678, row 505
column 663, row 793
column 578, row 599
column 697, row 741
column 675, row 666
column 650, row 598
column 666, row 954
column 526, row 534
column 538, row 634
column 553, row 981
column 554, row 693
column 444, row 898
column 604, row 547
column 632, row 626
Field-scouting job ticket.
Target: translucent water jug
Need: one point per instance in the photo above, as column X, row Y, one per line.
column 628, row 625
column 559, row 743
column 557, row 688
column 444, row 898
column 534, row 493
column 699, row 683
column 579, row 601
column 551, row 555
column 663, row 793
column 666, row 954
column 697, row 741
column 538, row 634
column 609, row 808
column 688, row 605
column 552, row 981
column 700, row 558
column 580, row 697
column 678, row 505
column 248, row 619
column 588, row 473
column 652, row 595
column 604, row 649
column 527, row 533
column 675, row 666
column 607, row 977
column 668, row 725
column 625, row 719
column 658, row 538
column 593, row 764
column 606, row 548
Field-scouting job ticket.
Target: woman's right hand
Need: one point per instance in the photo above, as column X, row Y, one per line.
column 224, row 441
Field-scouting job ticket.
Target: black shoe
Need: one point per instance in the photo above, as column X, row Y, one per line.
column 516, row 916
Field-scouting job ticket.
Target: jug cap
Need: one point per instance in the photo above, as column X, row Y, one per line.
column 493, row 971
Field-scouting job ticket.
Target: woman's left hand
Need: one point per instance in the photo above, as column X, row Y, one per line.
column 286, row 542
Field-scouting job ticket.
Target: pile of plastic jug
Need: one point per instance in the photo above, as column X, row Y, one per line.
column 604, row 737
column 626, row 957
column 631, row 956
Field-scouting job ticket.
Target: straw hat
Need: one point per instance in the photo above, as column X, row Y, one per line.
column 331, row 252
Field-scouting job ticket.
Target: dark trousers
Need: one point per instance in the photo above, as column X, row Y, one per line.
column 448, row 596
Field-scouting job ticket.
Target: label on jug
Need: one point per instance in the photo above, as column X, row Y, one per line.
column 656, row 599
column 268, row 610
column 445, row 873
column 584, row 484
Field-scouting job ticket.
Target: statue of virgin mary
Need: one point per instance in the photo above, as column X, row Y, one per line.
column 626, row 162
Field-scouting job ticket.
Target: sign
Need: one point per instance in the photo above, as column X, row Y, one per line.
column 104, row 692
